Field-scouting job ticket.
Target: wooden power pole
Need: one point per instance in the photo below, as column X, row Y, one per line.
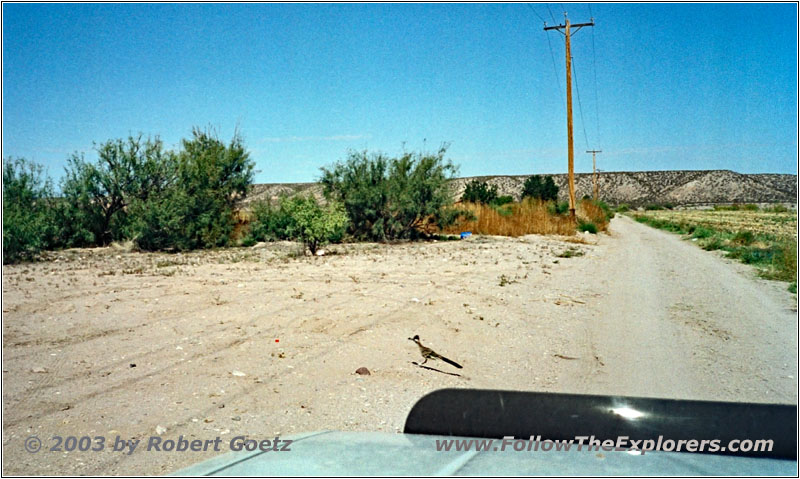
column 565, row 30
column 594, row 172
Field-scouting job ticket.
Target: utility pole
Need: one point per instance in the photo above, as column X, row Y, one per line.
column 594, row 171
column 565, row 30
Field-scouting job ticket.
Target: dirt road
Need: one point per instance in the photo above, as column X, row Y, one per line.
column 672, row 320
column 260, row 342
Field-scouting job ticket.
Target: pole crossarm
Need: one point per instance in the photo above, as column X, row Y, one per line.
column 576, row 26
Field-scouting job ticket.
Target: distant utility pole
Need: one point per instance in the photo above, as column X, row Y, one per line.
column 565, row 30
column 594, row 171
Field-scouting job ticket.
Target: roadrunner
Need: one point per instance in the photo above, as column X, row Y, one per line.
column 429, row 353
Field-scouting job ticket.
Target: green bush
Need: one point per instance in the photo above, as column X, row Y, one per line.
column 297, row 218
column 653, row 207
column 479, row 192
column 558, row 207
column 607, row 211
column 736, row 207
column 503, row 210
column 390, row 198
column 189, row 199
column 270, row 223
column 212, row 177
column 28, row 210
column 713, row 244
column 778, row 208
column 159, row 222
column 743, row 238
column 701, row 233
column 315, row 225
column 622, row 208
column 585, row 226
column 503, row 200
column 538, row 188
column 97, row 195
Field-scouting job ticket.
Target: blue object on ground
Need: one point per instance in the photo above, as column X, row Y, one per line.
column 466, row 234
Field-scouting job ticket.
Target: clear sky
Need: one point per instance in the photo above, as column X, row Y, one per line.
column 707, row 86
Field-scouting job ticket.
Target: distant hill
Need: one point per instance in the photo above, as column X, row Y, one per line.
column 635, row 188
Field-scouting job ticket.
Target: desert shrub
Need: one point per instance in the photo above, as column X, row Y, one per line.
column 784, row 262
column 269, row 222
column 714, row 243
column 736, row 207
column 503, row 200
column 390, row 198
column 587, row 226
column 313, row 224
column 558, row 207
column 537, row 188
column 653, row 207
column 504, row 210
column 607, row 211
column 743, row 237
column 298, row 218
column 160, row 221
column 97, row 195
column 212, row 177
column 701, row 233
column 28, row 211
column 190, row 195
column 479, row 192
column 594, row 213
column 622, row 208
column 778, row 208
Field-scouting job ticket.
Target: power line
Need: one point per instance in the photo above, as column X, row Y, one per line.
column 555, row 69
column 580, row 107
column 596, row 102
column 536, row 13
column 551, row 13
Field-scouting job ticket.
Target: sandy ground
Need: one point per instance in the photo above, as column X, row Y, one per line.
column 261, row 342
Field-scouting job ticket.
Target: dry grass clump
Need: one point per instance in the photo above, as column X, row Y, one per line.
column 517, row 219
column 591, row 212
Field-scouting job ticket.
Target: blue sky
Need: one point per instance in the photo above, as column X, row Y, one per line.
column 678, row 86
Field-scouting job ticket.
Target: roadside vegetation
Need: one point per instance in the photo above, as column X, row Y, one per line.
column 135, row 191
column 765, row 238
column 538, row 212
column 139, row 193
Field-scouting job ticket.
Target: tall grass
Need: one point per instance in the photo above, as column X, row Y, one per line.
column 531, row 216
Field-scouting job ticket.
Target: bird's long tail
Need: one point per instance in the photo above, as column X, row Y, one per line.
column 450, row 362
